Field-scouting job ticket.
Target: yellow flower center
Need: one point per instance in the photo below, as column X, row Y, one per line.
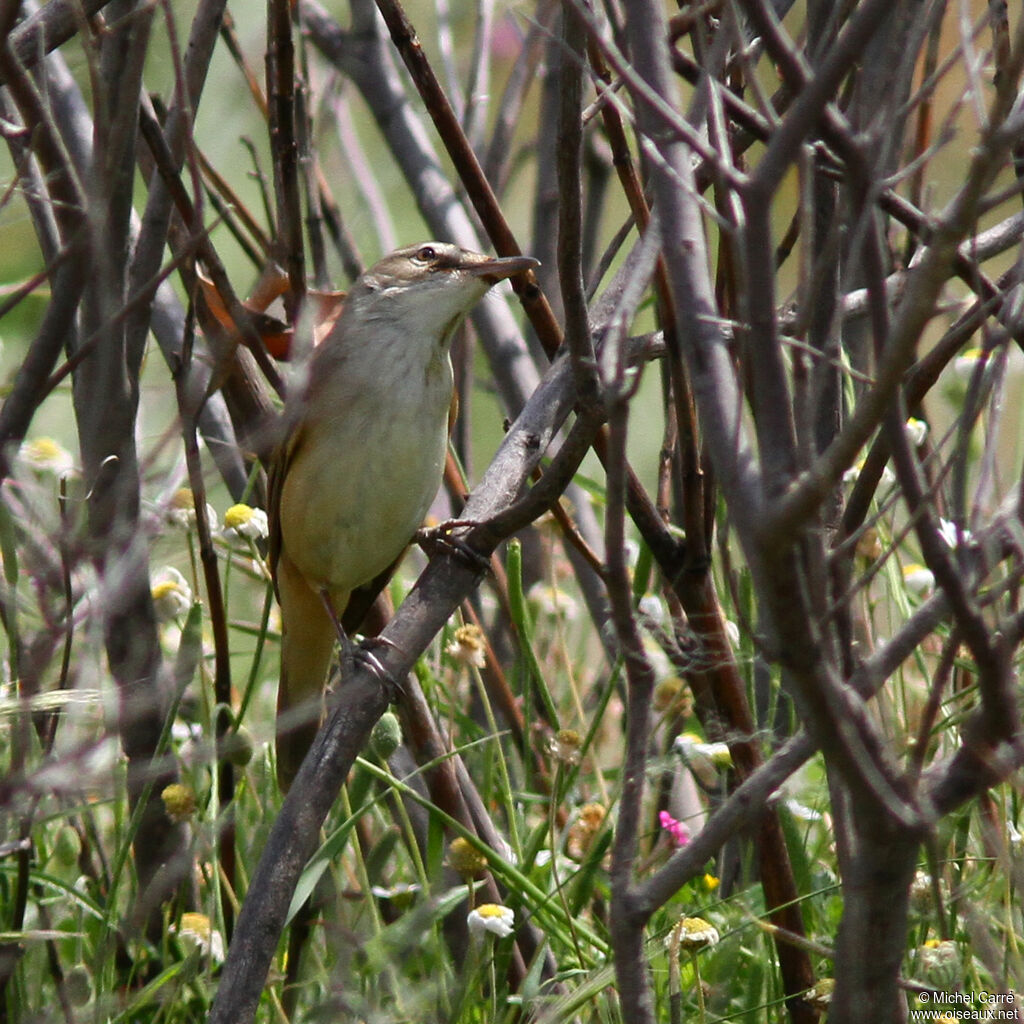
column 197, row 924
column 237, row 515
column 491, row 910
column 43, row 448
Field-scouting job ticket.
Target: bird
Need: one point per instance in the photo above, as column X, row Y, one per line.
column 361, row 458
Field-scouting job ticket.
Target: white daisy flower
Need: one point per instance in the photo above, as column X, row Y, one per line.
column 181, row 512
column 45, row 455
column 172, row 595
column 692, row 934
column 703, row 759
column 948, row 532
column 919, row 580
column 917, row 431
column 802, row 811
column 887, row 479
column 493, row 918
column 965, row 363
column 195, row 930
column 245, row 523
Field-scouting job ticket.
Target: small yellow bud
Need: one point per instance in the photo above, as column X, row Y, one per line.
column 673, row 694
column 183, row 500
column 465, row 858
column 179, row 802
column 869, row 545
column 583, row 830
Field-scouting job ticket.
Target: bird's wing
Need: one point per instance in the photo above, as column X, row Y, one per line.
column 279, row 463
column 453, row 411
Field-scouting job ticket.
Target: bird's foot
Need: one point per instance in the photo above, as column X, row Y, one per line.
column 363, row 654
column 441, row 538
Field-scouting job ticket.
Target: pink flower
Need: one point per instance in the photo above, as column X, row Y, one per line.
column 676, row 829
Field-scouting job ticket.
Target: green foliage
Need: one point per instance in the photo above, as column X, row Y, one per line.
column 385, row 906
column 394, row 916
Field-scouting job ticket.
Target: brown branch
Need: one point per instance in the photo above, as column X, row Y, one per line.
column 46, row 29
column 627, row 924
column 164, row 162
column 188, row 412
column 570, row 210
column 284, row 147
column 468, row 169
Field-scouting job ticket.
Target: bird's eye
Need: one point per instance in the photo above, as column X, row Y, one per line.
column 426, row 254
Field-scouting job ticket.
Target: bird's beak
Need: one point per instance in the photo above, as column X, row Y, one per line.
column 493, row 270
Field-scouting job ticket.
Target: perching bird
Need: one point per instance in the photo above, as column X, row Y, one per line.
column 361, row 462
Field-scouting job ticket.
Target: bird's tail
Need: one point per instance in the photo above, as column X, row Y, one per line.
column 307, row 643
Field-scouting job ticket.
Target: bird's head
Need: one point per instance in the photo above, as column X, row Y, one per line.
column 430, row 286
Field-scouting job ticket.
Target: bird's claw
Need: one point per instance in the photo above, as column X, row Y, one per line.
column 441, row 537
column 363, row 653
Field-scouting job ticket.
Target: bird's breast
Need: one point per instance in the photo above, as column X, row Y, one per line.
column 365, row 469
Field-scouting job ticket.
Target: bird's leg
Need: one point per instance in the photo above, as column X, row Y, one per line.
column 347, row 653
column 361, row 652
column 440, row 538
